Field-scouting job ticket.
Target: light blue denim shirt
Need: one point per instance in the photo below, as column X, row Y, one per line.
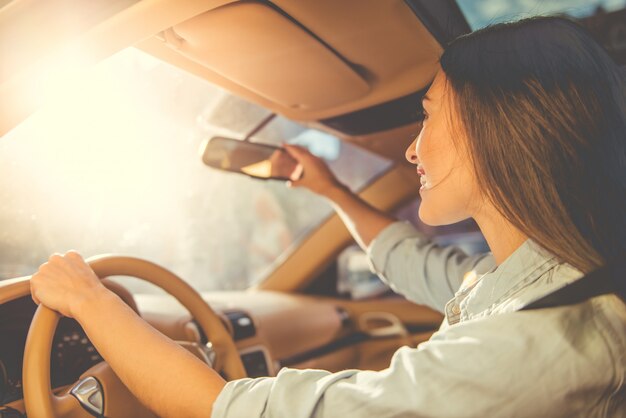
column 486, row 361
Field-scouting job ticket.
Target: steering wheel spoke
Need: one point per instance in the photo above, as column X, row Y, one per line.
column 90, row 394
column 67, row 406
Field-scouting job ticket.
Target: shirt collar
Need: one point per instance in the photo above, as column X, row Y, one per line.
column 525, row 265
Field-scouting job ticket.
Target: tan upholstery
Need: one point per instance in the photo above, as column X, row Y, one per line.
column 396, row 55
column 266, row 53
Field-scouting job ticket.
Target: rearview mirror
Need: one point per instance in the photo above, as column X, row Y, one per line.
column 252, row 159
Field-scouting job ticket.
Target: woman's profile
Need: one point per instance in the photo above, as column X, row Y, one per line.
column 525, row 132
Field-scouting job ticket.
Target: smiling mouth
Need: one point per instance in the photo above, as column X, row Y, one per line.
column 422, row 173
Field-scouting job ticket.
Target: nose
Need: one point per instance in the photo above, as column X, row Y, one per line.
column 410, row 154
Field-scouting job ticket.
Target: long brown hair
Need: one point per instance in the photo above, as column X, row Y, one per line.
column 543, row 107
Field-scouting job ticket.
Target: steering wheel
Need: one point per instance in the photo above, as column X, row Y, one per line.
column 99, row 391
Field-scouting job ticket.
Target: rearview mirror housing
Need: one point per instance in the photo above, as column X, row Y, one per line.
column 253, row 159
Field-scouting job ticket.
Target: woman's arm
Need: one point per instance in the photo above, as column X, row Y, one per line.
column 160, row 373
column 362, row 220
column 409, row 261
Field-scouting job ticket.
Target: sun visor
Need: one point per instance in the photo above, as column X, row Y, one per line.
column 269, row 54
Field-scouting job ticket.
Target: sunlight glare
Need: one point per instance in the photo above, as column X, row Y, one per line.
column 91, row 138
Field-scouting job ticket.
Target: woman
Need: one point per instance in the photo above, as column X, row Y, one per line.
column 524, row 131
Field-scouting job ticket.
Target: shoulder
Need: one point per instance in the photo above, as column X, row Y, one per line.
column 538, row 285
column 565, row 360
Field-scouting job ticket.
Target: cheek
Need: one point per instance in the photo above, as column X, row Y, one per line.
column 450, row 193
column 436, row 154
column 451, row 200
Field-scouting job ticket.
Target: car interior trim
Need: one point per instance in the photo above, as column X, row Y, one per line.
column 399, row 112
column 235, row 40
column 257, row 361
column 349, row 340
column 310, row 258
column 388, row 74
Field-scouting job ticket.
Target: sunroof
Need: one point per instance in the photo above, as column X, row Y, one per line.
column 481, row 13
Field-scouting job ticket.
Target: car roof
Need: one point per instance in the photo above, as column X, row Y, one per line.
column 354, row 68
column 348, row 65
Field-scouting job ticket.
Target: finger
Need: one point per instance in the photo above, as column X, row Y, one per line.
column 293, row 184
column 56, row 264
column 289, row 149
column 297, row 148
column 299, row 153
column 53, row 265
column 296, row 175
column 76, row 262
column 74, row 255
column 55, row 258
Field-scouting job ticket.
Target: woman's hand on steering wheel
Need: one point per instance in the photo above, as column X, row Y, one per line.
column 143, row 362
column 64, row 283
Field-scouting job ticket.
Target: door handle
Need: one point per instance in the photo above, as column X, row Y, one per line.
column 370, row 323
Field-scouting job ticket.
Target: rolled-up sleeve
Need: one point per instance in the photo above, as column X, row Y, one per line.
column 418, row 268
column 316, row 393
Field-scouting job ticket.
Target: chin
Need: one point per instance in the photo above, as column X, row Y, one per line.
column 439, row 215
column 430, row 218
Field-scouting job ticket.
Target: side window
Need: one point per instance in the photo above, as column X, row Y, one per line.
column 604, row 19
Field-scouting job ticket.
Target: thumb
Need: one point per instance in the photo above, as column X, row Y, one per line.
column 296, row 177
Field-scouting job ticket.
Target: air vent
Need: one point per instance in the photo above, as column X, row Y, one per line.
column 255, row 364
column 242, row 325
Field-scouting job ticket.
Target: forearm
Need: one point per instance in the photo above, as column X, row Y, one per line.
column 160, row 373
column 362, row 220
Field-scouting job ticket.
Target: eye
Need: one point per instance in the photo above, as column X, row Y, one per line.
column 423, row 115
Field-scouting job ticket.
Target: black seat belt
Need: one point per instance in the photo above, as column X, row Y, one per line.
column 608, row 279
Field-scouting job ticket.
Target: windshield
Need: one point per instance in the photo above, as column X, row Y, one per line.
column 113, row 166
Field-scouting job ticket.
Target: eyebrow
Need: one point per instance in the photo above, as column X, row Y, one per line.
column 426, row 98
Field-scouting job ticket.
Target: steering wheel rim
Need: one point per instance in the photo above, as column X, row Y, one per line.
column 38, row 397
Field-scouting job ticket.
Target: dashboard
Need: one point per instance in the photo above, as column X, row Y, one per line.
column 72, row 352
column 270, row 329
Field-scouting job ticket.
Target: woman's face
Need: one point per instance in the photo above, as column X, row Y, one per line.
column 449, row 190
